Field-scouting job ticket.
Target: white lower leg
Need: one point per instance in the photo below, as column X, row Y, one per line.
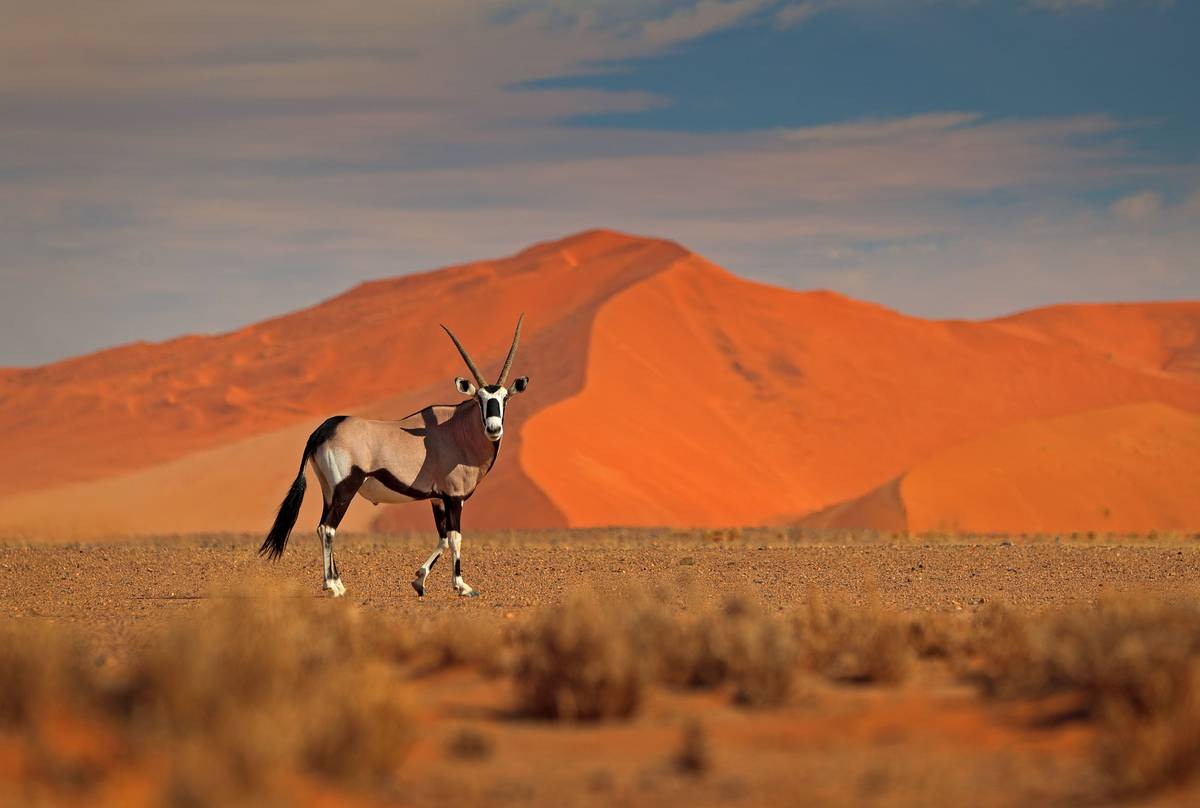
column 460, row 586
column 333, row 583
column 422, row 573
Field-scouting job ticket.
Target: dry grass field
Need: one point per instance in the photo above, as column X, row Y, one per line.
column 605, row 667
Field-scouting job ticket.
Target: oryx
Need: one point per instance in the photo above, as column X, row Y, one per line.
column 440, row 453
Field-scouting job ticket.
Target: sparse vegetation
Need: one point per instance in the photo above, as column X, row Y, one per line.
column 581, row 663
column 253, row 690
column 592, row 663
column 260, row 699
column 1134, row 666
column 738, row 644
column 853, row 645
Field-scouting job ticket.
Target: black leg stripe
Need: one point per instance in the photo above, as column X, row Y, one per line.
column 343, row 493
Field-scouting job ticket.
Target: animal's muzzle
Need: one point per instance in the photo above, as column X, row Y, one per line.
column 493, row 423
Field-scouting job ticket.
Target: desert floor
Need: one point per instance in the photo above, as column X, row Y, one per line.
column 927, row 735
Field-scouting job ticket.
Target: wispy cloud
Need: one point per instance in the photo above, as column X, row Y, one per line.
column 1139, row 207
column 798, row 12
column 792, row 14
column 705, row 17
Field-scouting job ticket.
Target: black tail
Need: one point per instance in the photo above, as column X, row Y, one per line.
column 289, row 509
column 285, row 520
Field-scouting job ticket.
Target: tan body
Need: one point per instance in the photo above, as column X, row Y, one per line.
column 440, row 451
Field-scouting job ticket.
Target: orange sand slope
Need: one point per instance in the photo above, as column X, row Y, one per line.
column 1120, row 469
column 1160, row 338
column 202, row 433
column 665, row 391
column 732, row 402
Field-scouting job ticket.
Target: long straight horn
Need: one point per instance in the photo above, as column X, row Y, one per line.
column 466, row 358
column 512, row 353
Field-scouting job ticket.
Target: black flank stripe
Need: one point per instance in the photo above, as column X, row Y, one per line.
column 390, row 481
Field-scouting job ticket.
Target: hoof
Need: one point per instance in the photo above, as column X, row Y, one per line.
column 335, row 588
column 468, row 593
column 419, row 587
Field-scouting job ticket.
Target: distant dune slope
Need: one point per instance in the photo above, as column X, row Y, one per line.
column 665, row 391
column 1121, row 469
column 198, row 406
column 1161, row 337
column 712, row 400
column 130, row 407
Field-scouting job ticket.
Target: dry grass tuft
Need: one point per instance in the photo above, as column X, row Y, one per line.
column 276, row 683
column 1135, row 667
column 1144, row 748
column 742, row 646
column 38, row 670
column 938, row 635
column 581, row 663
column 231, row 699
column 845, row 644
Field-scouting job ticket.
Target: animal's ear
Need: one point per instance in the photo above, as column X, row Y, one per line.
column 519, row 385
column 464, row 386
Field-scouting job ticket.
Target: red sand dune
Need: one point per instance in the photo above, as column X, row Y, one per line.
column 1160, row 338
column 665, row 391
column 1122, row 469
column 734, row 402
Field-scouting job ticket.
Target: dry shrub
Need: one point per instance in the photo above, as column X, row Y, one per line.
column 1155, row 745
column 39, row 668
column 464, row 639
column 939, row 635
column 740, row 645
column 580, row 662
column 1135, row 668
column 231, row 697
column 276, row 683
column 853, row 645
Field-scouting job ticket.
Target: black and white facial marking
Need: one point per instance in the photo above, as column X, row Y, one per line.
column 492, row 401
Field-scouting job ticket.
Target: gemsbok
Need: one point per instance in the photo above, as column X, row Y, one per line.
column 440, row 453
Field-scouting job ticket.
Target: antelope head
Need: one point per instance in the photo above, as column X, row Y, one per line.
column 493, row 398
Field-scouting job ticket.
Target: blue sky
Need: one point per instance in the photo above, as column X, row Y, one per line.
column 201, row 166
column 1134, row 61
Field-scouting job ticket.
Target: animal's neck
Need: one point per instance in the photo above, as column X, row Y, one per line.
column 470, row 422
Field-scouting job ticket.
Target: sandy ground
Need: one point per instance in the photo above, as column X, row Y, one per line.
column 929, row 740
column 114, row 590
